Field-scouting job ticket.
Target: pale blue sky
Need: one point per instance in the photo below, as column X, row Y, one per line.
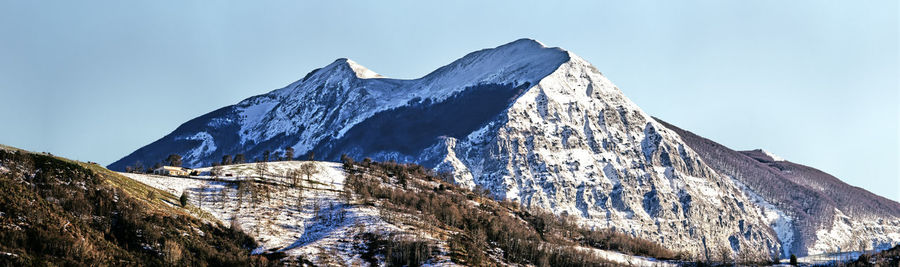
column 815, row 82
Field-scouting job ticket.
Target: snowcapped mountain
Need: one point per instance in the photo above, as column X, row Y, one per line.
column 530, row 123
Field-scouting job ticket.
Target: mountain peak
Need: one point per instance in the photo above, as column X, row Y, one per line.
column 344, row 64
column 525, row 42
column 525, row 46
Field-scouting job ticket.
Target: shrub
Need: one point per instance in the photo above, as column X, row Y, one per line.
column 183, row 199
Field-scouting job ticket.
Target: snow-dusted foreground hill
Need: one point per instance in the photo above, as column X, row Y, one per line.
column 312, row 221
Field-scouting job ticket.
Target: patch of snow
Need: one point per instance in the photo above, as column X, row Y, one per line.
column 775, row 217
column 251, row 116
column 627, row 260
column 461, row 174
column 206, row 147
column 362, row 72
column 773, row 156
column 826, row 259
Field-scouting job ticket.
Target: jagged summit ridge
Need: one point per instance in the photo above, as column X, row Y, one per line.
column 338, row 96
column 516, row 63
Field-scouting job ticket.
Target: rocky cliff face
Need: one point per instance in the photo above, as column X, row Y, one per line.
column 530, row 123
column 574, row 144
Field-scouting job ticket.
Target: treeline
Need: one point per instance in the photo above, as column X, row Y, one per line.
column 267, row 156
column 58, row 212
column 397, row 250
column 890, row 257
column 525, row 237
column 239, row 158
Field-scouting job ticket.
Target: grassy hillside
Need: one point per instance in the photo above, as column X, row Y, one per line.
column 55, row 211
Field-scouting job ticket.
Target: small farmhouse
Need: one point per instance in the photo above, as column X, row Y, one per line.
column 172, row 171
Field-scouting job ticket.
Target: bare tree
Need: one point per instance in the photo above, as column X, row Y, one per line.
column 201, row 195
column 174, row 160
column 316, row 207
column 289, row 153
column 299, row 199
column 216, row 170
column 261, row 168
column 724, row 254
column 267, row 193
column 138, row 167
column 293, row 177
column 347, row 194
column 309, row 169
column 223, row 196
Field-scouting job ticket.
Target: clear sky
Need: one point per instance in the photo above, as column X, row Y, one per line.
column 814, row 82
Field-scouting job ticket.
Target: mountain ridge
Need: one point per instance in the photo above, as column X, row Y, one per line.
column 792, row 188
column 374, row 95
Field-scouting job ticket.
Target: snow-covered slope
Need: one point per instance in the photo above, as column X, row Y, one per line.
column 309, row 222
column 531, row 123
column 318, row 221
column 812, row 212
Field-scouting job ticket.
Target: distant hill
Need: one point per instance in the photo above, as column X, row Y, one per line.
column 823, row 213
